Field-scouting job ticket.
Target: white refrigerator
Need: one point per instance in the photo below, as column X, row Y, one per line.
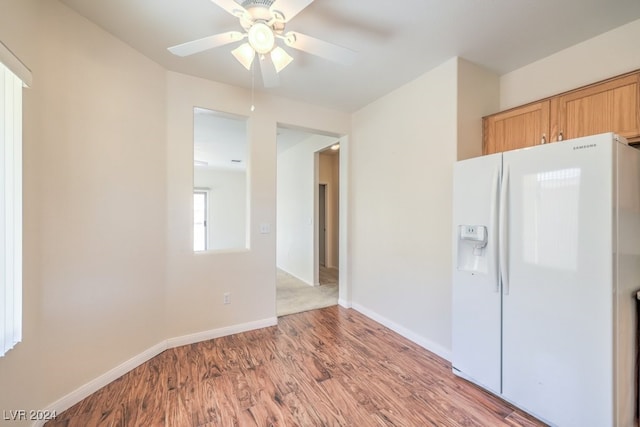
column 546, row 263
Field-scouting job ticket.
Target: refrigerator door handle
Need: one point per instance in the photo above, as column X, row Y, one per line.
column 495, row 194
column 503, row 230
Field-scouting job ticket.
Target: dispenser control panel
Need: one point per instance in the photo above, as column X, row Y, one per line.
column 472, row 248
column 477, row 233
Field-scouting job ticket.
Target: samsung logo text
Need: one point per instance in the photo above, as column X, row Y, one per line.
column 582, row 147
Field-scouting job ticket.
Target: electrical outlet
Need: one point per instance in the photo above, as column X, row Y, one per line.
column 226, row 298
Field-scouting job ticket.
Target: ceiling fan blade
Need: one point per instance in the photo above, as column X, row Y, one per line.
column 195, row 46
column 320, row 48
column 289, row 8
column 268, row 70
column 232, row 7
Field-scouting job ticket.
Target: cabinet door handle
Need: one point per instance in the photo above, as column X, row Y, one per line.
column 544, row 139
column 560, row 136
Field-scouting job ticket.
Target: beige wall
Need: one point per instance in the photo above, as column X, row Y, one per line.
column 402, row 150
column 94, row 203
column 197, row 282
column 609, row 54
column 109, row 268
column 478, row 94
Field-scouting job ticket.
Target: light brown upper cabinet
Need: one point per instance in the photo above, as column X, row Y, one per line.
column 516, row 128
column 609, row 106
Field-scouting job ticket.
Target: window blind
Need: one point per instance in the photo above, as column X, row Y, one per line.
column 10, row 201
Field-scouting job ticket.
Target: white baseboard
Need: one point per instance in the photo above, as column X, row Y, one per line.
column 221, row 332
column 410, row 335
column 92, row 386
column 96, row 384
column 344, row 303
column 293, row 275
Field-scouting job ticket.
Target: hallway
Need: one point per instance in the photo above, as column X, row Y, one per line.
column 295, row 296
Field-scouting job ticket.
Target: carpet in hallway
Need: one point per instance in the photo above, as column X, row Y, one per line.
column 295, row 296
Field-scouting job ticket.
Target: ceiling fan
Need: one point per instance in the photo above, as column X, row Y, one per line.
column 263, row 22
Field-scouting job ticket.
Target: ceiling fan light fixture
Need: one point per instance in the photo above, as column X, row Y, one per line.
column 244, row 54
column 261, row 37
column 280, row 58
column 262, row 24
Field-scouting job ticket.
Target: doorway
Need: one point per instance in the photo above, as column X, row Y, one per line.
column 308, row 214
column 322, row 225
column 326, row 267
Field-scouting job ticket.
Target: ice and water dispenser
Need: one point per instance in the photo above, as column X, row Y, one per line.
column 472, row 248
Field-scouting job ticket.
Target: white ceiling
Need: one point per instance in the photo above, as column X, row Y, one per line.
column 220, row 140
column 396, row 41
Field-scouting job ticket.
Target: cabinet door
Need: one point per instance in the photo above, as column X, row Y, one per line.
column 613, row 106
column 517, row 128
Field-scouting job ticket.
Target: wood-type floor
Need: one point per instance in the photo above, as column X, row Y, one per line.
column 327, row 367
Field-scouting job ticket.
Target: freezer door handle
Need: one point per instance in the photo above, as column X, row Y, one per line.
column 503, row 230
column 495, row 195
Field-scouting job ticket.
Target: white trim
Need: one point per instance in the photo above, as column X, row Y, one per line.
column 344, row 251
column 344, row 303
column 221, row 332
column 13, row 63
column 410, row 335
column 296, row 277
column 96, row 384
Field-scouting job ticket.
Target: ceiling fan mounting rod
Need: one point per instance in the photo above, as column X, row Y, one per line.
column 253, row 3
column 261, row 9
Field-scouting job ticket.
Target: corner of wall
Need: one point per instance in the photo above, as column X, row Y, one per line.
column 616, row 52
column 478, row 95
